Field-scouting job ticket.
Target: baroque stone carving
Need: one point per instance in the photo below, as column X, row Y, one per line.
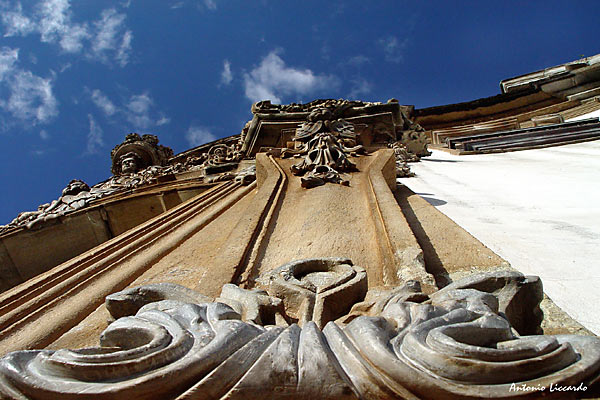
column 266, row 106
column 74, row 197
column 137, row 153
column 219, row 158
column 414, row 138
column 318, row 290
column 78, row 195
column 136, row 162
column 397, row 343
column 244, row 177
column 325, row 141
column 129, row 301
column 403, row 157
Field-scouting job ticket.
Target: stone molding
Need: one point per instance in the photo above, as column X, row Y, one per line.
column 399, row 343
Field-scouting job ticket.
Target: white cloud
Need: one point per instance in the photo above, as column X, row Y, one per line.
column 95, row 136
column 198, row 4
column 226, row 74
column 31, row 97
column 393, row 48
column 109, row 29
column 103, row 102
column 16, row 23
column 197, row 135
column 163, row 120
column 72, row 40
column 26, row 96
column 124, row 49
column 8, row 59
column 139, row 103
column 44, row 134
column 107, row 40
column 359, row 87
column 65, row 67
column 139, row 110
column 210, row 4
column 272, row 80
column 358, row 60
column 38, row 153
column 55, row 26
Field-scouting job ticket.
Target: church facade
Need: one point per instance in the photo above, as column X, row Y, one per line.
column 287, row 262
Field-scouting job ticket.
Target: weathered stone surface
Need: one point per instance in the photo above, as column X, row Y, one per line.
column 254, row 305
column 129, row 301
column 454, row 343
column 403, row 157
column 518, row 295
column 325, row 141
column 319, row 289
column 137, row 153
column 415, row 140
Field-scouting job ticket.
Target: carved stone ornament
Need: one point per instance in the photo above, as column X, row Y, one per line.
column 219, row 158
column 398, row 343
column 137, row 153
column 75, row 196
column 414, row 139
column 78, row 195
column 403, row 157
column 137, row 162
column 325, row 142
column 266, row 106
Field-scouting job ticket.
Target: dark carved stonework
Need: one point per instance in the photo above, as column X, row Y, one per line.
column 137, row 153
column 171, row 342
column 267, row 107
column 403, row 157
column 324, row 142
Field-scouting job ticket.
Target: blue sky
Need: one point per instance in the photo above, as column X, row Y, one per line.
column 76, row 77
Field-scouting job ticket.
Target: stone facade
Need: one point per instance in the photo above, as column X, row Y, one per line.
column 286, row 262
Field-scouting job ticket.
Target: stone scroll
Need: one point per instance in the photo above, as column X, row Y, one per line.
column 394, row 343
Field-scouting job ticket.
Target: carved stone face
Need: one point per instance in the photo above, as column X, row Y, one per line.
column 75, row 187
column 129, row 164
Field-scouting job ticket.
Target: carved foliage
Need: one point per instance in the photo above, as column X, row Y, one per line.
column 415, row 140
column 398, row 343
column 325, row 144
column 403, row 157
column 266, row 106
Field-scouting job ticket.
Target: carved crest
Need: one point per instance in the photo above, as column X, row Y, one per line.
column 144, row 151
column 325, row 142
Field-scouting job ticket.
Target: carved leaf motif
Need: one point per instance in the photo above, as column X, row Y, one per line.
column 454, row 344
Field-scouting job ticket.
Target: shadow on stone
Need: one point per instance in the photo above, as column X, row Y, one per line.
column 433, row 264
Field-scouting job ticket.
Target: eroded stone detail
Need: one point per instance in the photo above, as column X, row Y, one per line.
column 136, row 162
column 415, row 140
column 220, row 157
column 324, row 141
column 78, row 195
column 244, row 177
column 254, row 305
column 129, row 301
column 74, row 197
column 403, row 157
column 318, row 290
column 137, row 153
column 397, row 343
column 340, row 104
